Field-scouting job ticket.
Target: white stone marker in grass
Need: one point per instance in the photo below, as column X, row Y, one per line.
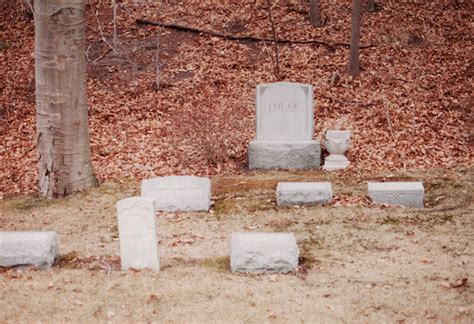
column 263, row 252
column 303, row 193
column 38, row 249
column 137, row 233
column 178, row 193
column 408, row 194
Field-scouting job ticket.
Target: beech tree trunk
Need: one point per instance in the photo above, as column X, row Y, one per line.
column 61, row 103
column 353, row 67
column 315, row 13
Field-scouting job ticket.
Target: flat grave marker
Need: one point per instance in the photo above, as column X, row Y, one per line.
column 38, row 249
column 303, row 193
column 408, row 194
column 263, row 252
column 178, row 193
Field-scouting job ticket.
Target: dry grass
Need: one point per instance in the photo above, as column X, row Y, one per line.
column 361, row 263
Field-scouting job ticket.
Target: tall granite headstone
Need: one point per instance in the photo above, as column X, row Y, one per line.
column 285, row 125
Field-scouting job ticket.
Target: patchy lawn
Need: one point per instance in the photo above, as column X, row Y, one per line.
column 359, row 262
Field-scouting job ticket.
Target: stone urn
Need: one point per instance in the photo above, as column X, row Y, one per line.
column 337, row 142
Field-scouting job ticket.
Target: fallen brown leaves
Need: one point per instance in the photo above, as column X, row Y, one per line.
column 72, row 260
column 409, row 108
column 345, row 200
column 460, row 283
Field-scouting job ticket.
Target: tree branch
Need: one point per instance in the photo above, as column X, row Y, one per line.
column 241, row 37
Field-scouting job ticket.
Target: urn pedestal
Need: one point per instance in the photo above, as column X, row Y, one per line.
column 337, row 142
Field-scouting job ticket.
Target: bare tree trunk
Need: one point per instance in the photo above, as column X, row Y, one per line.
column 371, row 5
column 157, row 58
column 114, row 19
column 353, row 67
column 27, row 9
column 275, row 40
column 61, row 103
column 315, row 13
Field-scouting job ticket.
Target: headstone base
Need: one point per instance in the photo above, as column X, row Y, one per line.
column 284, row 155
column 335, row 162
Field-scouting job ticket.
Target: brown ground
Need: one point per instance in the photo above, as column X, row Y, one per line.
column 359, row 262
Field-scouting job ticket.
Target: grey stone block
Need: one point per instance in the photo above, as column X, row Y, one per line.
column 408, row 194
column 284, row 155
column 263, row 252
column 303, row 193
column 178, row 193
column 38, row 249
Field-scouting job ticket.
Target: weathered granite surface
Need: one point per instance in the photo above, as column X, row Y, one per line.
column 408, row 194
column 303, row 193
column 38, row 249
column 178, row 193
column 263, row 252
column 284, row 155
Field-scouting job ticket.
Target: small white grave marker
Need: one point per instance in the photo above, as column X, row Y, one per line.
column 408, row 194
column 303, row 193
column 38, row 249
column 178, row 193
column 137, row 233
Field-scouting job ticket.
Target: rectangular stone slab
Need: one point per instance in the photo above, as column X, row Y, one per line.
column 38, row 249
column 408, row 194
column 303, row 193
column 137, row 233
column 284, row 112
column 263, row 252
column 284, row 155
column 178, row 193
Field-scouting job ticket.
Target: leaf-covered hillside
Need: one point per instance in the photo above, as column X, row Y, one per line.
column 409, row 108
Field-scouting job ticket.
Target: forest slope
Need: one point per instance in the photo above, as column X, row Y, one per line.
column 410, row 107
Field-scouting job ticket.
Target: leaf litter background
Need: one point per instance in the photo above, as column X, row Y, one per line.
column 410, row 108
